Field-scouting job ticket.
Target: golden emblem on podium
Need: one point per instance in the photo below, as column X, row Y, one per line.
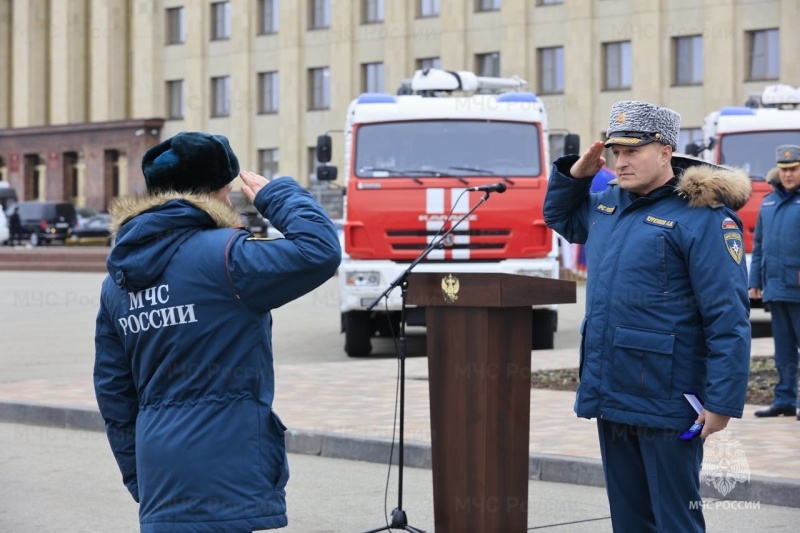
column 450, row 288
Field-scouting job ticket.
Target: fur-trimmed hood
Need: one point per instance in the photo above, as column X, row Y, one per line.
column 125, row 208
column 150, row 229
column 708, row 186
column 774, row 177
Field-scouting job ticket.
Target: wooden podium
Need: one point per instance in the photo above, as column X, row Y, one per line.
column 479, row 358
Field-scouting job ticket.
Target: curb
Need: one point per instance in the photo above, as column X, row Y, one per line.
column 765, row 490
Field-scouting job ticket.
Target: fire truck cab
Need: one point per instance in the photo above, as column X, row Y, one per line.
column 746, row 137
column 409, row 162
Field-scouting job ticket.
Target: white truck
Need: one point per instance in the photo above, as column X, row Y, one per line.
column 409, row 161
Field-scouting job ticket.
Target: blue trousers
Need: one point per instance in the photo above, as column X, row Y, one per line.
column 652, row 479
column 786, row 333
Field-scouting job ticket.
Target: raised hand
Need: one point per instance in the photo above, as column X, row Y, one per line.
column 590, row 162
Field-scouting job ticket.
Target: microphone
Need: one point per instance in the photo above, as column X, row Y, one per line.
column 497, row 187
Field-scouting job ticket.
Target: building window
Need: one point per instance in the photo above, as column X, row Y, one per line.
column 176, row 26
column 488, row 64
column 221, row 96
column 268, row 16
column 551, row 70
column 175, row 100
column 220, row 21
column 268, row 162
column 617, row 65
column 319, row 14
column 687, row 53
column 319, row 83
column 372, row 74
column 689, row 135
column 550, row 2
column 488, row 5
column 372, row 11
column 268, row 92
column 764, row 55
column 428, row 8
column 428, row 62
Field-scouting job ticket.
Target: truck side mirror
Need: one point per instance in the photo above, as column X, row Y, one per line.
column 327, row 173
column 692, row 149
column 572, row 143
column 324, row 148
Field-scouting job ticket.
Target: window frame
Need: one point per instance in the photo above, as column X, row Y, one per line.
column 488, row 6
column 181, row 29
column 324, row 91
column 428, row 8
column 752, row 35
column 171, row 85
column 225, row 82
column 373, row 73
column 221, row 28
column 273, row 159
column 268, row 101
column 678, row 63
column 558, row 87
column 271, row 25
column 379, row 14
column 322, row 9
column 479, row 64
column 622, row 47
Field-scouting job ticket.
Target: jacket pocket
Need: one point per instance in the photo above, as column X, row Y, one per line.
column 642, row 362
column 277, row 464
column 791, row 276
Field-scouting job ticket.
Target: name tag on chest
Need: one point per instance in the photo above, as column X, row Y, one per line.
column 660, row 222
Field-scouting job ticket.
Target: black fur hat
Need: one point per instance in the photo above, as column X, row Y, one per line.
column 191, row 161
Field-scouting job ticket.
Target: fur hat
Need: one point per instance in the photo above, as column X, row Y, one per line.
column 190, row 161
column 788, row 155
column 635, row 123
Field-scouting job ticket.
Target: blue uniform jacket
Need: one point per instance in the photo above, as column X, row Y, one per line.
column 775, row 264
column 183, row 368
column 667, row 310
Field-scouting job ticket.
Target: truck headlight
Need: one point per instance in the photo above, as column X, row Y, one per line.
column 362, row 279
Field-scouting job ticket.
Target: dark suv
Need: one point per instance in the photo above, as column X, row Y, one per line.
column 45, row 222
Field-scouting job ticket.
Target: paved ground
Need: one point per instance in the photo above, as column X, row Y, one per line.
column 336, row 407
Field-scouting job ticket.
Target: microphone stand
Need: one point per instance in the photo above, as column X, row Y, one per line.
column 399, row 519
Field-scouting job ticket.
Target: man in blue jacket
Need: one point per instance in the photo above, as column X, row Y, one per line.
column 775, row 274
column 183, row 369
column 666, row 311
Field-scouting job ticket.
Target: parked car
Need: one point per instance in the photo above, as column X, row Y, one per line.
column 94, row 230
column 5, row 234
column 45, row 222
column 84, row 214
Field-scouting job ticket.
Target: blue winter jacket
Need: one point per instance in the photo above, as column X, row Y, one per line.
column 183, row 369
column 667, row 310
column 775, row 264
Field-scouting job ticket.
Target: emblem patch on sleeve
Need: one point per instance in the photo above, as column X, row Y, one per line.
column 728, row 223
column 733, row 241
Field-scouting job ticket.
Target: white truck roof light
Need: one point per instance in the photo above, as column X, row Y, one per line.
column 776, row 95
column 434, row 79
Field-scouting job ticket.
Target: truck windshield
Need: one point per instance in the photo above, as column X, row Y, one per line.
column 754, row 152
column 500, row 148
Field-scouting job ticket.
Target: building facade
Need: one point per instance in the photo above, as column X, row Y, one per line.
column 87, row 85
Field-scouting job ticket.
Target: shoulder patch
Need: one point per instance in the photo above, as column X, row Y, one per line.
column 733, row 242
column 605, row 209
column 261, row 239
column 771, row 202
column 728, row 223
column 662, row 222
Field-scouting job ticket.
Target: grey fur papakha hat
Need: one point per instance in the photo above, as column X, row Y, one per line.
column 635, row 123
column 788, row 155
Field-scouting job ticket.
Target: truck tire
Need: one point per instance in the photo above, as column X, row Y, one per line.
column 544, row 329
column 358, row 327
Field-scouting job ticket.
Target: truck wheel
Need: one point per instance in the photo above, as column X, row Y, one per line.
column 544, row 329
column 358, row 329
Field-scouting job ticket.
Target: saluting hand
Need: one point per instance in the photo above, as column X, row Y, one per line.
column 590, row 162
column 252, row 183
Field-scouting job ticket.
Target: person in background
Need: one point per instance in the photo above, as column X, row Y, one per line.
column 666, row 311
column 775, row 274
column 183, row 371
column 15, row 227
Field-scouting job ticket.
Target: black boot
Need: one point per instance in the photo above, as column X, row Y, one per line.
column 773, row 410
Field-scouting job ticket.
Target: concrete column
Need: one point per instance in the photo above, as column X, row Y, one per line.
column 41, row 176
column 723, row 54
column 292, row 76
column 118, row 72
column 147, row 39
column 514, row 46
column 7, row 33
column 244, row 24
column 122, row 169
column 77, row 28
column 20, row 80
column 99, row 53
column 454, row 35
column 80, row 168
column 398, row 63
column 648, row 43
column 580, row 68
column 789, row 42
column 59, row 61
column 197, row 84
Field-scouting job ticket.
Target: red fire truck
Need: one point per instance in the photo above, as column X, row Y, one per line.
column 409, row 161
column 746, row 137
